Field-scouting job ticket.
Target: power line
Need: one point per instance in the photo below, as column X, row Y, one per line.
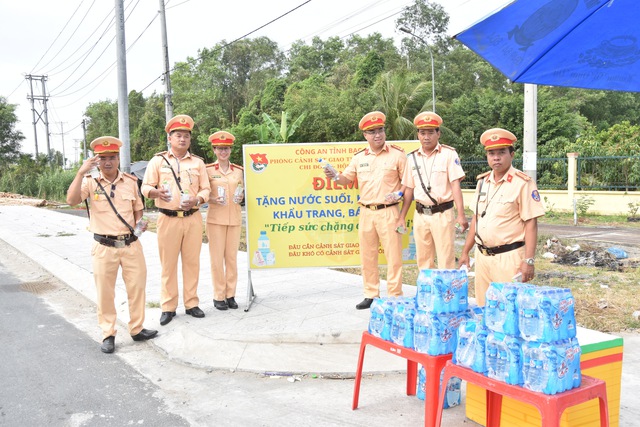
column 59, row 34
column 71, row 36
column 239, row 38
column 97, row 27
column 62, row 92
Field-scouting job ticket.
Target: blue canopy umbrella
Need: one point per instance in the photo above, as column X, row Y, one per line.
column 592, row 44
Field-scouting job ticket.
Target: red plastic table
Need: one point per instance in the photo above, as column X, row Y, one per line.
column 433, row 366
column 551, row 407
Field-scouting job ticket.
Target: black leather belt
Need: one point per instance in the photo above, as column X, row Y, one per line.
column 499, row 249
column 377, row 207
column 431, row 209
column 115, row 241
column 179, row 214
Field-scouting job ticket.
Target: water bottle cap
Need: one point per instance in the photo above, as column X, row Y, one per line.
column 400, row 193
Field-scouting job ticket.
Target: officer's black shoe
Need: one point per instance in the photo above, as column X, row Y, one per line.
column 195, row 312
column 231, row 302
column 166, row 317
column 366, row 303
column 108, row 345
column 220, row 305
column 144, row 334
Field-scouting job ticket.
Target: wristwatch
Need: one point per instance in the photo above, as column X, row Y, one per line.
column 530, row 261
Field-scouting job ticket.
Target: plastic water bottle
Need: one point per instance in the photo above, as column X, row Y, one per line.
column 480, row 361
column 491, row 358
column 495, row 315
column 422, row 379
column 438, row 289
column 409, row 315
column 166, row 187
column 376, row 321
column 141, row 225
column 452, row 391
column 237, row 194
column 537, row 376
column 465, row 349
column 514, row 360
column 393, row 197
column 264, row 245
column 329, row 168
column 389, row 305
column 94, row 172
column 398, row 324
column 529, row 321
column 421, row 331
column 423, row 293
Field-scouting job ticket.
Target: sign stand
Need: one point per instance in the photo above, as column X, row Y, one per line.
column 250, row 294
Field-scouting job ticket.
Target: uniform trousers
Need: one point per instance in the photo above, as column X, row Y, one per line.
column 179, row 237
column 435, row 236
column 106, row 261
column 497, row 268
column 375, row 227
column 224, row 241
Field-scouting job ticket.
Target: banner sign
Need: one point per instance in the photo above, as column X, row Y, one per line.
column 296, row 217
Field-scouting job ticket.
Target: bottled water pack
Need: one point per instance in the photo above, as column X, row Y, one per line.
column 442, row 291
column 546, row 314
column 552, row 368
column 501, row 314
column 452, row 390
column 470, row 350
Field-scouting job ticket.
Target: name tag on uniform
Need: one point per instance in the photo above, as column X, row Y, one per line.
column 364, row 167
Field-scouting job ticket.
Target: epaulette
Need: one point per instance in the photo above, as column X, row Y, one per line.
column 210, row 165
column 197, row 157
column 397, row 147
column 130, row 176
column 162, row 153
column 414, row 151
column 483, row 175
column 523, row 175
column 358, row 152
column 447, row 146
column 233, row 165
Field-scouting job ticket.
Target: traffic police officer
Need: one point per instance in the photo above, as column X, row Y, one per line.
column 504, row 226
column 224, row 219
column 378, row 169
column 432, row 177
column 115, row 207
column 178, row 182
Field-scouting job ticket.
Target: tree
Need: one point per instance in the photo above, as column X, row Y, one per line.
column 9, row 137
column 401, row 98
column 103, row 119
column 270, row 131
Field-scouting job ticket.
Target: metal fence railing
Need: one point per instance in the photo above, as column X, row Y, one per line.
column 612, row 173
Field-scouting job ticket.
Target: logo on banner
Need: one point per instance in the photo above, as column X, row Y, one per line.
column 259, row 162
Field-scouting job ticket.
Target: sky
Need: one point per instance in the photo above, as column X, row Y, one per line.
column 72, row 42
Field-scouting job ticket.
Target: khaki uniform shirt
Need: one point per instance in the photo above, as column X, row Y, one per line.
column 126, row 200
column 438, row 169
column 506, row 205
column 190, row 170
column 230, row 213
column 377, row 174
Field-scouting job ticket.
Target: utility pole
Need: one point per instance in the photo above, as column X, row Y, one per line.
column 84, row 140
column 64, row 155
column 168, row 105
column 530, row 137
column 123, row 95
column 42, row 115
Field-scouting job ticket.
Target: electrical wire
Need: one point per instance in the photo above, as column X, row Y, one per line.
column 59, row 34
column 233, row 41
column 63, row 93
column 70, row 37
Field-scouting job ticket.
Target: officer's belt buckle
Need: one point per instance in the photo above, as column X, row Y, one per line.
column 123, row 237
column 180, row 214
column 119, row 244
column 373, row 207
column 427, row 210
column 486, row 251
